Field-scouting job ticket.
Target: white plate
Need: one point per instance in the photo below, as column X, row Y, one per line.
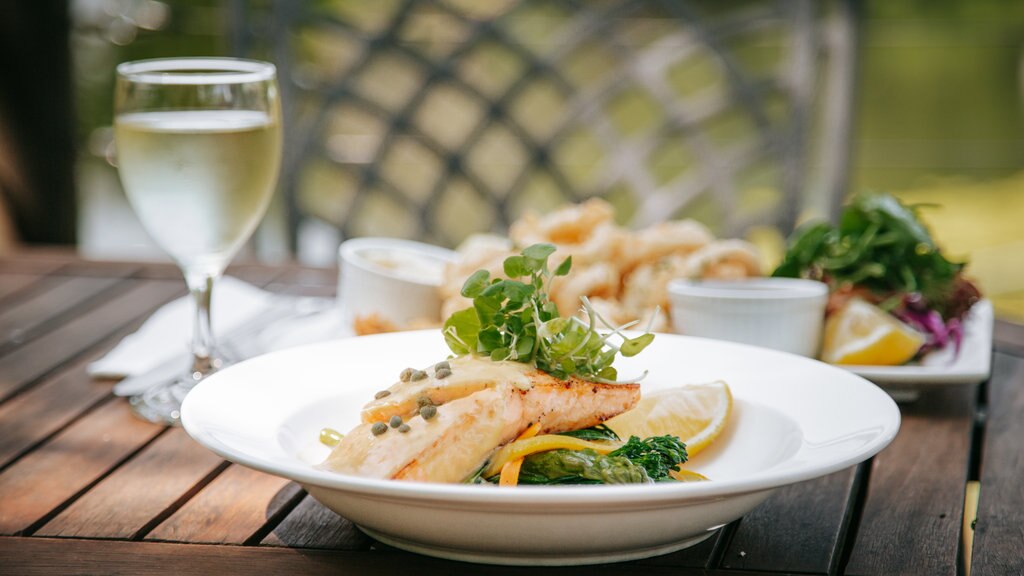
column 794, row 419
column 972, row 365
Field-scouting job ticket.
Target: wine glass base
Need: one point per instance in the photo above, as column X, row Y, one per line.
column 162, row 404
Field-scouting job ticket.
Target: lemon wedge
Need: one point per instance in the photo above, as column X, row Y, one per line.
column 862, row 333
column 697, row 414
column 687, row 476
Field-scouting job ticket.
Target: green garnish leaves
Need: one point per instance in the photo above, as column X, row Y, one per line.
column 461, row 331
column 475, row 284
column 516, row 267
column 634, row 346
column 539, row 253
column 514, row 319
column 564, row 267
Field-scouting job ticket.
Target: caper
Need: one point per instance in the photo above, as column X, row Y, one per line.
column 423, row 401
column 330, row 437
column 418, row 375
column 428, row 412
column 379, row 428
column 442, row 373
column 442, row 366
column 395, row 421
column 382, row 394
column 406, row 374
column 404, row 428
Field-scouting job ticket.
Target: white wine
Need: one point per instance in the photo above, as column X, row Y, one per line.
column 199, row 180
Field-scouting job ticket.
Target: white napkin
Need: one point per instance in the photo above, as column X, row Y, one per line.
column 168, row 331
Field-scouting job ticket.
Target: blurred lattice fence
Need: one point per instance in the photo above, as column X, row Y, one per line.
column 433, row 120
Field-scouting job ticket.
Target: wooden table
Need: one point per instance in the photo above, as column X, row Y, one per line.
column 86, row 488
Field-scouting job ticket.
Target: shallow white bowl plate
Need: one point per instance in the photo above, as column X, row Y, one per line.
column 794, row 419
column 972, row 365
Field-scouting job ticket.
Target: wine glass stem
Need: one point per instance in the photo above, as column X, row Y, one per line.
column 204, row 360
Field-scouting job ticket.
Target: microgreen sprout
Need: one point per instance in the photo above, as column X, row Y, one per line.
column 514, row 319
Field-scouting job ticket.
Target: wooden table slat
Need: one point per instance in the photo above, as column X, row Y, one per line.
column 1009, row 337
column 69, row 295
column 910, row 523
column 42, row 355
column 999, row 534
column 29, row 557
column 16, row 285
column 34, row 262
column 231, row 509
column 69, row 462
column 31, row 417
column 137, row 493
column 798, row 529
column 311, row 525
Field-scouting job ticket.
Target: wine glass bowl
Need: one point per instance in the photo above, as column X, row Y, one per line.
column 198, row 151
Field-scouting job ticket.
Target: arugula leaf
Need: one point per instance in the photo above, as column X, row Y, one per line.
column 880, row 245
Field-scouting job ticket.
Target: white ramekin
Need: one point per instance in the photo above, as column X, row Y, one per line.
column 782, row 313
column 399, row 295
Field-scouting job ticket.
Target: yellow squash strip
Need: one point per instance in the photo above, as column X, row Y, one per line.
column 510, row 470
column 519, row 449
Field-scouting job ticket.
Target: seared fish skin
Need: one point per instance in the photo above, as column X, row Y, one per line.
column 466, row 430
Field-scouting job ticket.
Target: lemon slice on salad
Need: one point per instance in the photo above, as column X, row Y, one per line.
column 697, row 414
column 862, row 333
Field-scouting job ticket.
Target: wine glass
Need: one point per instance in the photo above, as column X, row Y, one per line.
column 198, row 151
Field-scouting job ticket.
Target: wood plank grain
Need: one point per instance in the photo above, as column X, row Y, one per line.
column 305, row 281
column 31, row 417
column 798, row 529
column 29, row 262
column 13, row 284
column 99, row 268
column 999, row 534
column 312, row 525
column 231, row 509
column 83, row 452
column 48, row 352
column 45, row 556
column 258, row 274
column 136, row 494
column 47, row 306
column 911, row 519
column 1009, row 337
column 308, row 276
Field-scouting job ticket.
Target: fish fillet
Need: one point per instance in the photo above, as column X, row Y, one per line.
column 480, row 407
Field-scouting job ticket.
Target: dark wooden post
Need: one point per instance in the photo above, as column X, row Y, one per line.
column 37, row 149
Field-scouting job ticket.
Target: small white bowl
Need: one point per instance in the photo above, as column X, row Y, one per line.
column 395, row 279
column 782, row 313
